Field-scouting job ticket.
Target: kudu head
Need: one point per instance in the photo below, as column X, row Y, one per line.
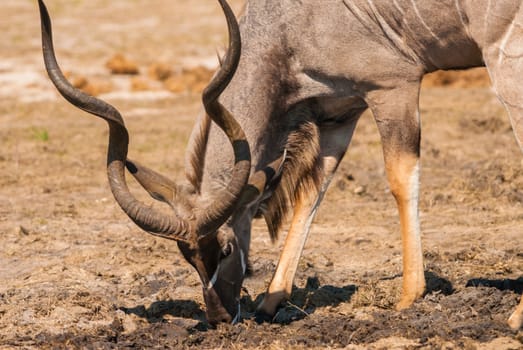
column 201, row 227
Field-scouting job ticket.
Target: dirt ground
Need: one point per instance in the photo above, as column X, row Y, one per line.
column 76, row 273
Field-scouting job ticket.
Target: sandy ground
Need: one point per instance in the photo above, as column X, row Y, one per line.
column 75, row 272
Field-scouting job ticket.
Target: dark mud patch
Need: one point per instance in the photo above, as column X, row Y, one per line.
column 474, row 313
column 437, row 284
column 303, row 302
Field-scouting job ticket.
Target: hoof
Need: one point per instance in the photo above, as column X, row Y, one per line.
column 405, row 303
column 515, row 321
column 262, row 317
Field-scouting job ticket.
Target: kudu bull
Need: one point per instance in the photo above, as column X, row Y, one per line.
column 308, row 70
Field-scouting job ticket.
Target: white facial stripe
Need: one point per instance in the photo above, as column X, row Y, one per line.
column 242, row 257
column 214, row 277
column 237, row 317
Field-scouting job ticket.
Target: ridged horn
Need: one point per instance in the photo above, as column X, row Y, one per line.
column 153, row 221
column 215, row 215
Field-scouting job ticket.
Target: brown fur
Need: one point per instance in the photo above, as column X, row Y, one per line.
column 300, row 171
column 195, row 155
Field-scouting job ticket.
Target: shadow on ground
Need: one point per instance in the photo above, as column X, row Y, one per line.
column 306, row 320
column 515, row 285
column 303, row 302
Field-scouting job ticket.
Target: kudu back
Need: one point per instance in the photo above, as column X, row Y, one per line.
column 305, row 73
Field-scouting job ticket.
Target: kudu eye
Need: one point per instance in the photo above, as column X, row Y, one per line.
column 226, row 250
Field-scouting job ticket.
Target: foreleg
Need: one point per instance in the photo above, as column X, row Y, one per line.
column 333, row 143
column 397, row 118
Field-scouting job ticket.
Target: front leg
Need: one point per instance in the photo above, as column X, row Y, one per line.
column 397, row 118
column 280, row 286
column 333, row 145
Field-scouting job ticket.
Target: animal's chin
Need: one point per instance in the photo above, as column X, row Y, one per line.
column 221, row 315
column 216, row 318
column 216, row 312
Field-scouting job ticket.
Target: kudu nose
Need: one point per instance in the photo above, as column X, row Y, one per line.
column 220, row 318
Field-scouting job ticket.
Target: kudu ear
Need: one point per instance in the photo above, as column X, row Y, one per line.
column 157, row 185
column 263, row 182
column 277, row 169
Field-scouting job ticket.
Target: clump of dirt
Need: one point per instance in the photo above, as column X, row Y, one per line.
column 160, row 71
column 119, row 64
column 436, row 320
column 160, row 76
column 91, row 86
column 186, row 79
column 189, row 80
column 472, row 78
column 140, row 84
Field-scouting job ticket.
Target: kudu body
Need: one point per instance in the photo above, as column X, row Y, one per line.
column 308, row 70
